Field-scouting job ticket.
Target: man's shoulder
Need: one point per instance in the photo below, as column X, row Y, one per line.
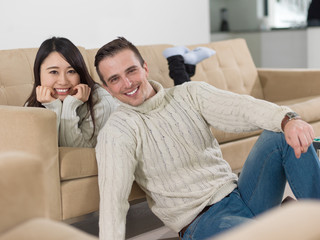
column 188, row 88
column 118, row 123
column 192, row 84
column 122, row 115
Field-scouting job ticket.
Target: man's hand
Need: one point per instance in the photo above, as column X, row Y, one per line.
column 299, row 135
column 82, row 92
column 45, row 94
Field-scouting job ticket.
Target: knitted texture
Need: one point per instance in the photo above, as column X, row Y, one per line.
column 166, row 145
column 74, row 123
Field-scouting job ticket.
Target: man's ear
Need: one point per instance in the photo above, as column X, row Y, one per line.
column 145, row 66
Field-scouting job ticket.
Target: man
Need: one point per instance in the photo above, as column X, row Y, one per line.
column 161, row 138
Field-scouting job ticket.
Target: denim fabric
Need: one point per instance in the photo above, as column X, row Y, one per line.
column 261, row 184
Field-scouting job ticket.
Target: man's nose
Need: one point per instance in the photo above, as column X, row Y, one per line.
column 127, row 82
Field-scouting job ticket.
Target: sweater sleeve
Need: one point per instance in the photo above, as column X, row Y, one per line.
column 56, row 107
column 115, row 153
column 76, row 125
column 232, row 112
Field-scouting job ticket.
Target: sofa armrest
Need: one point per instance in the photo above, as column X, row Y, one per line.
column 286, row 84
column 33, row 131
column 294, row 221
column 22, row 188
column 42, row 228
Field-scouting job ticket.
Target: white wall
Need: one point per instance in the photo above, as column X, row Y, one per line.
column 93, row 23
column 313, row 42
column 277, row 49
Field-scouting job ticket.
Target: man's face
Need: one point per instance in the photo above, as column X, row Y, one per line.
column 126, row 79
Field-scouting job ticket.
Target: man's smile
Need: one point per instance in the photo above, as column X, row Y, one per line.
column 132, row 92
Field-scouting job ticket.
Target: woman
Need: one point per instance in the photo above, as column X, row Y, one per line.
column 63, row 85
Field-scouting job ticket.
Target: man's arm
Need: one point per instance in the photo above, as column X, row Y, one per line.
column 116, row 166
column 232, row 112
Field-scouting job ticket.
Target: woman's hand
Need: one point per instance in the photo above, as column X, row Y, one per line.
column 82, row 92
column 45, row 94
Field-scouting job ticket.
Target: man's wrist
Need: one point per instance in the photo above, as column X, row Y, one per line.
column 288, row 117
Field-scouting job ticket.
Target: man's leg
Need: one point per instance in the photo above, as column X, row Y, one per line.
column 270, row 163
column 221, row 216
column 261, row 186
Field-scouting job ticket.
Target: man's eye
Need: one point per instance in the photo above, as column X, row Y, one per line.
column 132, row 70
column 114, row 79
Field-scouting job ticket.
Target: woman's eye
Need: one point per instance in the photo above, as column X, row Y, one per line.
column 72, row 71
column 53, row 72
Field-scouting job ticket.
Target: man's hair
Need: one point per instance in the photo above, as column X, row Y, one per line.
column 111, row 49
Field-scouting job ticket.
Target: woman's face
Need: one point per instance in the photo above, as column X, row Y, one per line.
column 57, row 73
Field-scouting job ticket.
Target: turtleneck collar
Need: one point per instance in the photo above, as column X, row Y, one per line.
column 153, row 103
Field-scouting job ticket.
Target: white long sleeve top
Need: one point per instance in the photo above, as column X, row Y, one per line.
column 74, row 122
column 166, row 145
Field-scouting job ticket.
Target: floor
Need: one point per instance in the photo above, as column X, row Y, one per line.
column 142, row 224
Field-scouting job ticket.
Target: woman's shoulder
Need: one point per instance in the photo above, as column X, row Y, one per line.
column 100, row 92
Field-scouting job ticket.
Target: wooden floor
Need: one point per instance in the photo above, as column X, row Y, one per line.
column 142, row 224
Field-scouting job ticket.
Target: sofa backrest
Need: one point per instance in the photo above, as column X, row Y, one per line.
column 16, row 75
column 232, row 68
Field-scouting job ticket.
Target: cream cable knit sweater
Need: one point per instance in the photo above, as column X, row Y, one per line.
column 166, row 145
column 74, row 123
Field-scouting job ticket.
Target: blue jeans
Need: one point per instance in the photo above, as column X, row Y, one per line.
column 261, row 185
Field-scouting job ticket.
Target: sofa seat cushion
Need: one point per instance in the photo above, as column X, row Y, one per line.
column 308, row 108
column 77, row 163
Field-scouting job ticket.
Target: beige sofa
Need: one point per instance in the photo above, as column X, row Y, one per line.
column 23, row 203
column 71, row 188
column 23, row 208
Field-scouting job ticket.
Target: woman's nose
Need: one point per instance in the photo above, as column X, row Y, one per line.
column 63, row 79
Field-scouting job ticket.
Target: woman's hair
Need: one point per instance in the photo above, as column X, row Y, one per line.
column 73, row 56
column 111, row 49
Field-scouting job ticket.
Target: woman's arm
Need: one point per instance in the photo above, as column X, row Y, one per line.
column 76, row 125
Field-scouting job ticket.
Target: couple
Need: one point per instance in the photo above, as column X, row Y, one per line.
column 161, row 138
column 63, row 85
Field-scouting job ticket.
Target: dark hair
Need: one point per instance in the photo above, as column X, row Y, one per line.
column 73, row 56
column 112, row 48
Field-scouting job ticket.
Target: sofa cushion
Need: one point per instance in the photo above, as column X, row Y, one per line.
column 16, row 75
column 231, row 68
column 225, row 137
column 77, row 163
column 308, row 107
